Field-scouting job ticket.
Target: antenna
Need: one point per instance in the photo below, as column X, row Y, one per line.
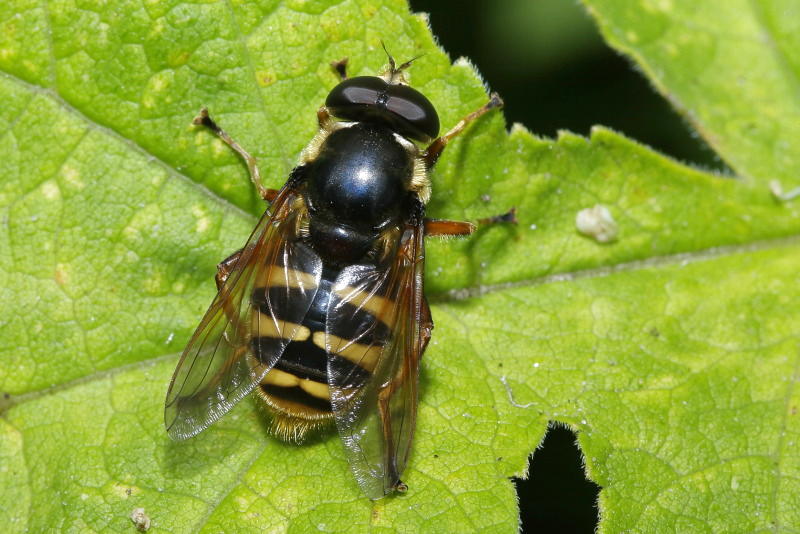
column 396, row 72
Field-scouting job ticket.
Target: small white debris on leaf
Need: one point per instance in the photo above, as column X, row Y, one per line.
column 776, row 189
column 597, row 223
column 140, row 519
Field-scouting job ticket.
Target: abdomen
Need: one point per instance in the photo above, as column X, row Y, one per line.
column 295, row 391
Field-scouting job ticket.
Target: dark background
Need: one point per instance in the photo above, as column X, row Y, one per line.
column 547, row 60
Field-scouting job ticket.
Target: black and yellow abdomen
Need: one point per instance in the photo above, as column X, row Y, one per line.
column 295, row 391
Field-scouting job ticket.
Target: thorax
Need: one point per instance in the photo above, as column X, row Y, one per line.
column 357, row 187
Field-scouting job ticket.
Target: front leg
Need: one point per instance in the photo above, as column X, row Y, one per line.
column 438, row 145
column 255, row 175
column 340, row 67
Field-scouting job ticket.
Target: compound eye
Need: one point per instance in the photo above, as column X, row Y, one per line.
column 369, row 98
column 356, row 92
column 416, row 109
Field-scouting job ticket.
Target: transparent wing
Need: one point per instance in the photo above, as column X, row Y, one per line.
column 251, row 320
column 376, row 330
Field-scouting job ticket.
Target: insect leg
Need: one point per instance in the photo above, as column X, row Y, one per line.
column 508, row 217
column 255, row 175
column 445, row 228
column 436, row 148
column 225, row 267
column 384, row 397
column 425, row 326
column 323, row 117
column 341, row 68
column 270, row 195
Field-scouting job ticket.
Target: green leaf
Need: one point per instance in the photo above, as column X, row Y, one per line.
column 732, row 68
column 671, row 351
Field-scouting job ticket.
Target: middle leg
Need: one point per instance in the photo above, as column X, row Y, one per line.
column 447, row 228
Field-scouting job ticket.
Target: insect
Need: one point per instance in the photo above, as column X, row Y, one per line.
column 322, row 312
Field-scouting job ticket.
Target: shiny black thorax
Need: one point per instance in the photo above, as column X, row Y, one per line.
column 356, row 187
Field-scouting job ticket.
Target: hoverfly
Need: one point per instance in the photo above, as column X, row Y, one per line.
column 322, row 312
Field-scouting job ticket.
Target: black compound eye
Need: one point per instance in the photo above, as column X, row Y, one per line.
column 354, row 92
column 371, row 99
column 415, row 108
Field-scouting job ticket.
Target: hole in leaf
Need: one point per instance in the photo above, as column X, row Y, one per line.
column 556, row 496
column 548, row 61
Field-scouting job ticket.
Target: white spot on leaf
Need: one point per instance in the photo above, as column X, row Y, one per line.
column 140, row 519
column 597, row 223
column 50, row 190
column 72, row 176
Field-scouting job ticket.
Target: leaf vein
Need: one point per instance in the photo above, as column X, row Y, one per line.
column 680, row 258
column 133, row 145
column 51, row 48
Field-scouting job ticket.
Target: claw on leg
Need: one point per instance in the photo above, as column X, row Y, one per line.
column 341, row 68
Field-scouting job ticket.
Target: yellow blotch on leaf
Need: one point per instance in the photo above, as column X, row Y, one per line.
column 72, row 176
column 203, row 220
